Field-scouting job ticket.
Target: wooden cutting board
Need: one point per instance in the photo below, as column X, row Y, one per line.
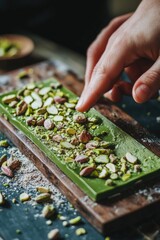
column 110, row 214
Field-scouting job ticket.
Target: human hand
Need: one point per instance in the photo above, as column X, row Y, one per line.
column 130, row 43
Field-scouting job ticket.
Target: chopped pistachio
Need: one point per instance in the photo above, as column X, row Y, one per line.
column 54, row 234
column 4, row 143
column 69, row 105
column 21, row 108
column 111, row 167
column 43, row 197
column 24, row 197
column 126, row 176
column 14, row 200
column 57, row 138
column 80, row 231
column 2, row 199
column 36, row 104
column 3, row 159
column 31, row 86
column 102, row 159
column 28, row 99
column 49, row 222
column 81, row 158
column 9, row 98
column 6, row 170
column 75, row 220
column 65, row 223
column 104, row 173
column 130, row 158
column 114, row 176
column 52, row 110
column 48, row 211
column 42, row 189
column 48, row 124
column 86, row 171
column 109, row 182
column 70, row 131
column 137, row 168
column 48, row 102
column 58, row 118
column 13, row 104
column 59, row 100
column 44, row 91
column 18, row 231
column 67, row 145
column 85, row 136
column 79, row 118
column 41, row 111
column 92, row 144
column 36, row 96
column 31, row 121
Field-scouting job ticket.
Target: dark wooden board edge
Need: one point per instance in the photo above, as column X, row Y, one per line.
column 100, row 215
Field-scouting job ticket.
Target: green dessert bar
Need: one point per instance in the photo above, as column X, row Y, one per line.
column 94, row 153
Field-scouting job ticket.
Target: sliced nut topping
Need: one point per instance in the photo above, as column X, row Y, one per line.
column 54, row 234
column 8, row 99
column 21, row 108
column 52, row 110
column 31, row 121
column 92, row 144
column 48, row 102
column 24, row 197
column 6, row 170
column 86, row 171
column 44, row 91
column 60, row 100
column 43, row 197
column 85, row 136
column 130, row 158
column 111, row 167
column 81, row 158
column 28, row 99
column 102, row 159
column 80, row 118
column 48, row 124
column 57, row 138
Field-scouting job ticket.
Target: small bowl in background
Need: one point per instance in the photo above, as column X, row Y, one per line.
column 24, row 45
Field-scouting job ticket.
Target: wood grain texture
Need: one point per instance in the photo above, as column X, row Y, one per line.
column 109, row 214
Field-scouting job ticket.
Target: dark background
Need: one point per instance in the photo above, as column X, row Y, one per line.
column 74, row 24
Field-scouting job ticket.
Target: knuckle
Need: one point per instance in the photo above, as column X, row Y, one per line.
column 100, row 70
column 152, row 77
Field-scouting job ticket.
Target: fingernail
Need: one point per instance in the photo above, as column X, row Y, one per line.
column 142, row 93
column 80, row 102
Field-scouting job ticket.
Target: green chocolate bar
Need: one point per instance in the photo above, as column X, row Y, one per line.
column 99, row 157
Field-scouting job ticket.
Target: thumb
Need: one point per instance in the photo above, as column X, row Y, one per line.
column 148, row 84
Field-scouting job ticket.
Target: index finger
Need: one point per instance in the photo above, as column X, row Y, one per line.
column 116, row 56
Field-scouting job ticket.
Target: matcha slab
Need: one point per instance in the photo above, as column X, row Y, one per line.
column 93, row 152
